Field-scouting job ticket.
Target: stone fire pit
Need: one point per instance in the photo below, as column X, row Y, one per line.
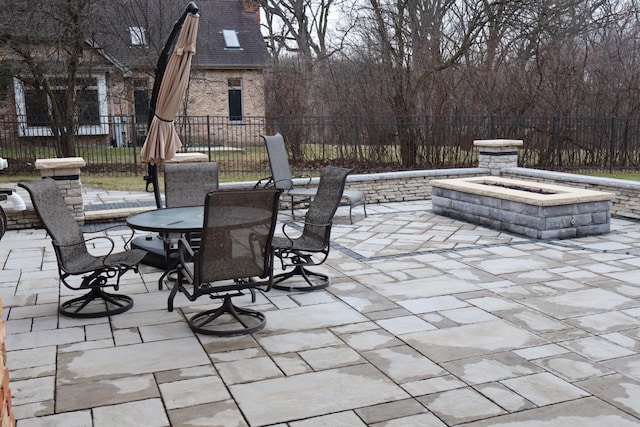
column 537, row 210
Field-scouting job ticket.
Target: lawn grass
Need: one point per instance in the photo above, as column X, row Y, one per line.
column 123, row 183
column 137, row 183
column 631, row 176
column 128, row 183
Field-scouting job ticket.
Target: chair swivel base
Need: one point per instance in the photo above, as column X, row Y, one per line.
column 323, row 282
column 251, row 321
column 96, row 303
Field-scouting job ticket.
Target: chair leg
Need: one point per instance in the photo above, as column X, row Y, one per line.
column 350, row 215
column 108, row 303
column 251, row 321
column 299, row 270
column 167, row 274
column 364, row 208
column 177, row 286
column 293, row 214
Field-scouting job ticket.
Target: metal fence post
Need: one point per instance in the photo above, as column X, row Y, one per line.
column 356, row 141
column 554, row 141
column 612, row 143
column 209, row 136
column 135, row 146
column 427, row 141
column 492, row 127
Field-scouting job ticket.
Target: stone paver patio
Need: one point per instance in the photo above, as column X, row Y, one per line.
column 429, row 322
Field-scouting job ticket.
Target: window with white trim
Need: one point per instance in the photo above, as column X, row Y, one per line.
column 91, row 106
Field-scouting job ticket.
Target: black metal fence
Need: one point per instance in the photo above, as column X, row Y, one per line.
column 370, row 144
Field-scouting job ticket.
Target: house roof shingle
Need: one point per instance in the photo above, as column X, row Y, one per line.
column 215, row 15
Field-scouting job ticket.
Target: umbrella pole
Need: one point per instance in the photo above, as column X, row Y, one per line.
column 152, row 179
column 161, row 66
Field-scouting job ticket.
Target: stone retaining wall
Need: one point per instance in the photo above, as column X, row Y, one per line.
column 416, row 185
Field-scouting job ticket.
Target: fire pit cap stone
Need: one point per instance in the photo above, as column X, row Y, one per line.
column 498, row 143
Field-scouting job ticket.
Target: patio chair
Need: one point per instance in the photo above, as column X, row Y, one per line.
column 3, row 216
column 74, row 259
column 235, row 248
column 311, row 247
column 3, row 221
column 185, row 184
column 281, row 178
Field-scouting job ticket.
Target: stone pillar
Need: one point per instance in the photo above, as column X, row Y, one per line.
column 66, row 172
column 497, row 154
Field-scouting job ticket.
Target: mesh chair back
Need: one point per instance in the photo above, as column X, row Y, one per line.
column 237, row 233
column 186, row 184
column 3, row 222
column 278, row 161
column 325, row 203
column 57, row 219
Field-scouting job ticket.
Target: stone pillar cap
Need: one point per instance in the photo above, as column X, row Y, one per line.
column 63, row 162
column 189, row 157
column 498, row 143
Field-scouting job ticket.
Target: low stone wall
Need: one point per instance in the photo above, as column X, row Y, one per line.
column 413, row 185
column 389, row 186
column 23, row 219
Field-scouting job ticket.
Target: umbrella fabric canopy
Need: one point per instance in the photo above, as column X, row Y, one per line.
column 162, row 141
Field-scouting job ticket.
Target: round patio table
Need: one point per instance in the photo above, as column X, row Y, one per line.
column 169, row 220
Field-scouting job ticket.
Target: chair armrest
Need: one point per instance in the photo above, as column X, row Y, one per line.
column 308, row 177
column 129, row 239
column 84, row 243
column 290, row 224
column 296, row 225
column 264, row 182
column 109, row 227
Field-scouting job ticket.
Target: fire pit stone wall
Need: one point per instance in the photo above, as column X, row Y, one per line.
column 536, row 210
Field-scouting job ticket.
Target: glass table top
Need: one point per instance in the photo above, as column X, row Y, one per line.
column 183, row 219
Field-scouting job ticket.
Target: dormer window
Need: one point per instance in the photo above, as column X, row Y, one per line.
column 231, row 39
column 138, row 36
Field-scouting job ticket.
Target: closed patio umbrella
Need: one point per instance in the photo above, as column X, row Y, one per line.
column 171, row 80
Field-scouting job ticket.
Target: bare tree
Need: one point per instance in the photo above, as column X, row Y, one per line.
column 414, row 40
column 44, row 39
column 58, row 49
column 300, row 32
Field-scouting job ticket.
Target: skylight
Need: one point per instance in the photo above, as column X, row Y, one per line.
column 138, row 36
column 231, row 39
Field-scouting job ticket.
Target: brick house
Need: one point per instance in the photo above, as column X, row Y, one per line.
column 118, row 70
